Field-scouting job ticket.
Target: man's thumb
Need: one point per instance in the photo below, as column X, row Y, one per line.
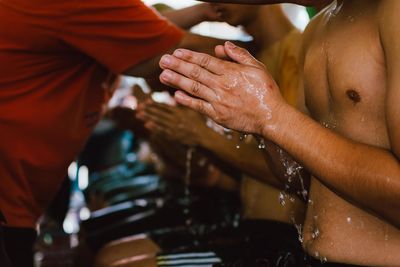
column 241, row 55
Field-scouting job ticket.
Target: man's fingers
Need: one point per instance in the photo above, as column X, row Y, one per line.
column 196, row 104
column 159, row 117
column 154, row 118
column 159, row 112
column 205, row 61
column 220, row 52
column 193, row 87
column 241, row 55
column 156, row 128
column 191, row 70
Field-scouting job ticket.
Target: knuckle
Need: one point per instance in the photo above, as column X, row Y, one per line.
column 225, row 85
column 195, row 88
column 200, row 107
column 242, row 52
column 205, row 61
column 188, row 55
column 195, row 73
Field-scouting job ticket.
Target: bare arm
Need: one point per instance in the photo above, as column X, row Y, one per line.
column 195, row 42
column 191, row 41
column 189, row 127
column 247, row 157
column 191, row 16
column 244, row 97
column 260, row 2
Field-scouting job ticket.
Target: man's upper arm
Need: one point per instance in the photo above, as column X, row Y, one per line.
column 390, row 38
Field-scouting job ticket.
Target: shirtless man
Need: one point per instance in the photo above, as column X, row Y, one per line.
column 278, row 41
column 350, row 142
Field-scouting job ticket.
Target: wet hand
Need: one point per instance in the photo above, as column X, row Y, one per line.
column 240, row 95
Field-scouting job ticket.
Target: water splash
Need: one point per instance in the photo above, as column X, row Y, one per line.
column 293, row 170
column 242, row 138
column 299, row 229
column 315, row 233
column 282, row 198
column 188, row 174
column 261, row 144
column 335, row 9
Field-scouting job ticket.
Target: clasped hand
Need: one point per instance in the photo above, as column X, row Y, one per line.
column 239, row 94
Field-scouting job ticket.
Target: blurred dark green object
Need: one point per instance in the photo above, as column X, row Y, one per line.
column 311, row 12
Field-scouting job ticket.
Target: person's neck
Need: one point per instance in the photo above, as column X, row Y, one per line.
column 268, row 29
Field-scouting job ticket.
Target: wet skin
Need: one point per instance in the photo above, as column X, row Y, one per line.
column 346, row 90
column 351, row 144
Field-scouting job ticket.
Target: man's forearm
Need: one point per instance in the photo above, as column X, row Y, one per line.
column 248, row 158
column 363, row 174
column 187, row 17
column 149, row 68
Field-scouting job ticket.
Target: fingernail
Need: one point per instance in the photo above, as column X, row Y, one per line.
column 230, row 44
column 178, row 53
column 179, row 95
column 166, row 75
column 165, row 60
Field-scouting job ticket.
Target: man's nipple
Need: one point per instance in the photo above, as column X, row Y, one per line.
column 354, row 96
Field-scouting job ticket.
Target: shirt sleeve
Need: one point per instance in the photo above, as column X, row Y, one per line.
column 118, row 33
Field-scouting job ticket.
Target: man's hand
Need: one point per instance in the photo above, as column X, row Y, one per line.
column 176, row 123
column 240, row 95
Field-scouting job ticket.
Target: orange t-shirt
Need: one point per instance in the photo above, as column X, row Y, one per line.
column 57, row 60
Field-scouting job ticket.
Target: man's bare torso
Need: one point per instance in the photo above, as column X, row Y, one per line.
column 345, row 91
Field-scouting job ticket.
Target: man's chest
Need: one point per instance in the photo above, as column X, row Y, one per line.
column 344, row 77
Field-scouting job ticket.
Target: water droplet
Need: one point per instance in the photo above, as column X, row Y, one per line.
column 316, row 254
column 299, row 228
column 237, row 146
column 189, row 155
column 315, row 233
column 310, row 202
column 324, row 260
column 242, row 137
column 304, row 193
column 282, row 197
column 348, row 219
column 261, row 144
